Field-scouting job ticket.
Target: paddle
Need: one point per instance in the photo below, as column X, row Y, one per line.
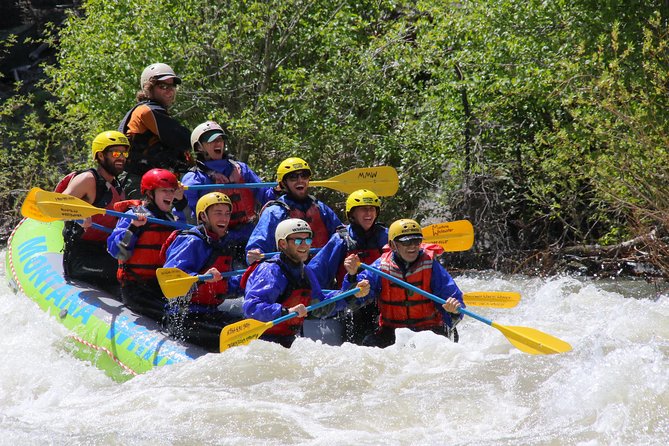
column 525, row 339
column 29, row 209
column 175, row 282
column 67, row 207
column 491, row 299
column 382, row 180
column 243, row 332
column 452, row 236
column 488, row 299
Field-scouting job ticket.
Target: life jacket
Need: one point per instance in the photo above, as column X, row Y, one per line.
column 147, row 150
column 400, row 307
column 296, row 292
column 145, row 259
column 312, row 216
column 106, row 195
column 206, row 293
column 243, row 200
column 367, row 252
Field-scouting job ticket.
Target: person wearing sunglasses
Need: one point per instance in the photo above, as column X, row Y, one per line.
column 85, row 254
column 293, row 176
column 365, row 237
column 282, row 284
column 216, row 165
column 157, row 139
column 416, row 263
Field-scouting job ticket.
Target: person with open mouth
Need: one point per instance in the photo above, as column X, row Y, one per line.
column 216, row 165
column 282, row 284
column 293, row 175
column 136, row 243
column 205, row 249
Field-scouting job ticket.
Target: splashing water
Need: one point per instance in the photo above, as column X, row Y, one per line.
column 613, row 388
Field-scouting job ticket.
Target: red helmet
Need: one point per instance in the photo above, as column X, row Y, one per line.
column 157, row 178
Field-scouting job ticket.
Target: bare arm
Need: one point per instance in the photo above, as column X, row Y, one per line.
column 82, row 186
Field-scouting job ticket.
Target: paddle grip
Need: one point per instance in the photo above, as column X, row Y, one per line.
column 318, row 305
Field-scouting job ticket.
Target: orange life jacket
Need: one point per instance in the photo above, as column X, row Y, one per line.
column 400, row 307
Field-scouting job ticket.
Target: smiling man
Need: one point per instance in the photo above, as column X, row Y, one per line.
column 85, row 253
column 414, row 263
column 293, row 175
column 205, row 249
column 366, row 238
column 283, row 285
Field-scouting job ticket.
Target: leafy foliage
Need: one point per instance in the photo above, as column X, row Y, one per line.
column 543, row 122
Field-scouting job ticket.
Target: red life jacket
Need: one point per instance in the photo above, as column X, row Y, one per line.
column 315, row 220
column 367, row 254
column 145, row 259
column 297, row 292
column 207, row 293
column 294, row 294
column 106, row 194
column 243, row 200
column 213, row 293
column 400, row 307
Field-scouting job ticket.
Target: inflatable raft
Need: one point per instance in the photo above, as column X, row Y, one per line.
column 104, row 331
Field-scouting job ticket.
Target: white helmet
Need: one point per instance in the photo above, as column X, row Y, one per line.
column 291, row 226
column 160, row 71
column 206, row 127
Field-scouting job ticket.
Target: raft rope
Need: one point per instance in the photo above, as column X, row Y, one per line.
column 105, row 350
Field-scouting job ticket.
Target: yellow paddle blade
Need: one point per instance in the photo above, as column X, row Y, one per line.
column 68, row 211
column 242, row 333
column 533, row 341
column 452, row 236
column 382, row 180
column 29, row 207
column 65, row 207
column 492, row 299
column 174, row 282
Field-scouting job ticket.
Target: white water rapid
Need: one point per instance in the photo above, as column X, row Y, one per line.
column 612, row 389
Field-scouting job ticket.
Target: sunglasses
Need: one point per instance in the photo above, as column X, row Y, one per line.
column 413, row 242
column 295, row 175
column 299, row 241
column 165, row 87
column 117, row 153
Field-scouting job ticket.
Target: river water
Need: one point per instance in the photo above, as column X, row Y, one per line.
column 612, row 389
